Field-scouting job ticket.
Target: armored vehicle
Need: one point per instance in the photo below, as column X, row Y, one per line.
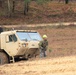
column 18, row 44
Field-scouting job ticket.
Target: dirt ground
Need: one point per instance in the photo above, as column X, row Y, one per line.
column 61, row 55
column 45, row 66
column 62, row 40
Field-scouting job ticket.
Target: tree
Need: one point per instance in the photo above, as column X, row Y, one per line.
column 66, row 1
column 9, row 8
column 26, row 6
column 13, row 8
column 0, row 3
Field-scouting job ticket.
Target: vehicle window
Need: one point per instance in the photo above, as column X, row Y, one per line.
column 35, row 36
column 27, row 36
column 12, row 38
column 23, row 36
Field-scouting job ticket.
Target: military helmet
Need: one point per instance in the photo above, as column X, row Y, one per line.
column 44, row 36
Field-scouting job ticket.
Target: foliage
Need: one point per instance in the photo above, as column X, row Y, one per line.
column 42, row 1
column 50, row 50
column 38, row 1
column 26, row 7
column 66, row 1
column 26, row 1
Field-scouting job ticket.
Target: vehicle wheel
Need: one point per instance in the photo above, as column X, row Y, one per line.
column 3, row 58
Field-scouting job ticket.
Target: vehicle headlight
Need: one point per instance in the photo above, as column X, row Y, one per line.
column 24, row 45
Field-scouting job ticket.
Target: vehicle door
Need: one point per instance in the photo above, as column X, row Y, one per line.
column 11, row 44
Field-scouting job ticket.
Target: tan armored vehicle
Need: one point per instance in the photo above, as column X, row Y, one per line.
column 18, row 44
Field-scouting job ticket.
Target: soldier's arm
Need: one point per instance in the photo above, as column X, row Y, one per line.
column 40, row 44
column 47, row 43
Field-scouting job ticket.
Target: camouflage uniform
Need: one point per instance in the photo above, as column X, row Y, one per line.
column 43, row 47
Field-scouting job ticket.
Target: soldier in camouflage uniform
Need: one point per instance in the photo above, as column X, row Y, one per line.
column 43, row 46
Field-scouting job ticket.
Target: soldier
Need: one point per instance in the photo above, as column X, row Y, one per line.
column 43, row 46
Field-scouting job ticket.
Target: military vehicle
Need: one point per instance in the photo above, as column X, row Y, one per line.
column 18, row 44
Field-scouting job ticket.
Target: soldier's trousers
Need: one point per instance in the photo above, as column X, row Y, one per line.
column 42, row 53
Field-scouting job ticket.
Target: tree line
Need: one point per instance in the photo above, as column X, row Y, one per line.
column 38, row 1
column 26, row 4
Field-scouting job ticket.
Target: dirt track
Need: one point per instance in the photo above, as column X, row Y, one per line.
column 46, row 66
column 60, row 61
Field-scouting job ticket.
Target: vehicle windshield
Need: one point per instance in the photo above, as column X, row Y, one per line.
column 27, row 36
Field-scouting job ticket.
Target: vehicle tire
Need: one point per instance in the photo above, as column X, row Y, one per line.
column 3, row 58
